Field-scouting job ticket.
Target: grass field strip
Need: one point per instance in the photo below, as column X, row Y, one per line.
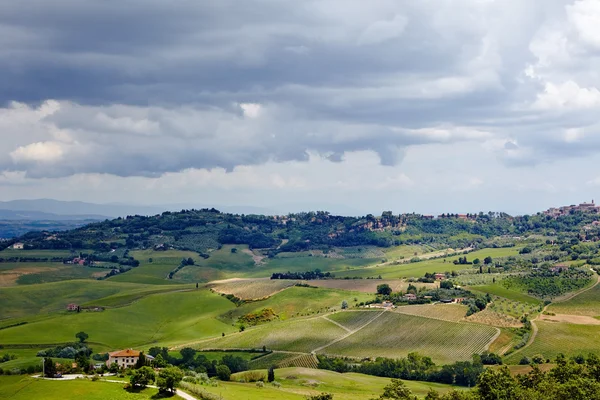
column 348, row 334
column 534, row 327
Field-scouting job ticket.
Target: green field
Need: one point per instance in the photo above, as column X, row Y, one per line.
column 297, row 383
column 498, row 290
column 298, row 335
column 6, row 253
column 554, row 338
column 308, row 263
column 30, row 300
column 353, row 320
column 299, row 301
column 252, row 289
column 395, row 335
column 26, row 388
column 586, row 303
column 419, row 269
column 154, row 272
column 160, row 319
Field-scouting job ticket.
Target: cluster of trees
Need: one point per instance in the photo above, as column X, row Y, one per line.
column 477, row 303
column 413, row 367
column 264, row 315
column 548, row 283
column 304, row 276
column 184, row 263
column 568, row 380
column 193, row 360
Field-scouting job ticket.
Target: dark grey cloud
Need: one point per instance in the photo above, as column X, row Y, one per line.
column 148, row 87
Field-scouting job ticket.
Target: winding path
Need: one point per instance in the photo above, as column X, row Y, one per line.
column 534, row 328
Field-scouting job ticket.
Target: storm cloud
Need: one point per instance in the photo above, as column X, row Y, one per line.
column 147, row 88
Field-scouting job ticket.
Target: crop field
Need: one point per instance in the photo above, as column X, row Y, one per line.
column 368, row 285
column 555, row 337
column 494, row 318
column 505, row 341
column 498, row 290
column 251, row 289
column 474, row 278
column 353, row 320
column 159, row 319
column 586, row 304
column 303, row 361
column 512, row 308
column 299, row 301
column 297, row 383
column 446, row 312
column 299, row 335
column 406, row 252
column 28, row 273
column 395, row 335
column 275, row 358
column 418, row 269
column 26, row 388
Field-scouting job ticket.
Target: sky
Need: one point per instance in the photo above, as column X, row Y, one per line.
column 350, row 106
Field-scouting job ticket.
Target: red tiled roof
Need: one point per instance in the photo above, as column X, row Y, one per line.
column 125, row 353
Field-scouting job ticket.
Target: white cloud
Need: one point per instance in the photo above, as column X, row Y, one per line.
column 567, row 96
column 45, row 152
column 251, row 110
column 584, row 15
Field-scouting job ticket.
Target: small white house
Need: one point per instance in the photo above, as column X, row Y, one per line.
column 18, row 246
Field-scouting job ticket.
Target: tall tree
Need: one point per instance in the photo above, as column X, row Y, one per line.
column 82, row 336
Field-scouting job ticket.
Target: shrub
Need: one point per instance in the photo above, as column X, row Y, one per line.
column 223, row 372
column 253, row 376
column 525, row 361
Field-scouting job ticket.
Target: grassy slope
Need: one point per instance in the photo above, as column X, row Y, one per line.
column 168, row 318
column 24, row 301
column 420, row 268
column 6, row 253
column 154, row 272
column 300, row 300
column 349, row 386
column 554, row 338
column 299, row 335
column 586, row 303
column 306, row 263
column 26, row 388
column 499, row 290
column 396, row 335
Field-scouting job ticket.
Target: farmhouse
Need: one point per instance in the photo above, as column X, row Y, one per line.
column 123, row 358
column 440, row 277
column 72, row 307
column 18, row 246
column 410, row 296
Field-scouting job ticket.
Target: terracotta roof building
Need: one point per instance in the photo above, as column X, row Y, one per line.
column 124, row 358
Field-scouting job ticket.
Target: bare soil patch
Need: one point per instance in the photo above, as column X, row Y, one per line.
column 367, row 285
column 258, row 259
column 10, row 277
column 571, row 319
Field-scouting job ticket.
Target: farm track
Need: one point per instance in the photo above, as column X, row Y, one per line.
column 338, row 324
column 534, row 327
column 347, row 335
